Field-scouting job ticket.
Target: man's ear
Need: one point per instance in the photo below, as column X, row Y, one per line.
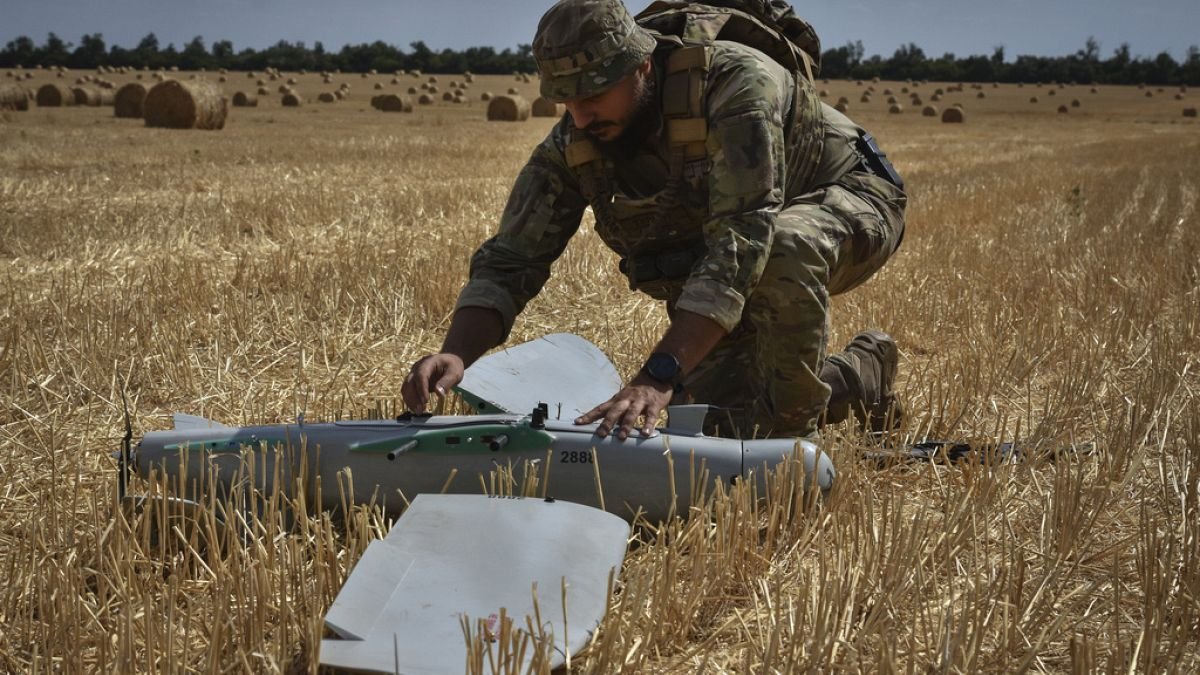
column 646, row 67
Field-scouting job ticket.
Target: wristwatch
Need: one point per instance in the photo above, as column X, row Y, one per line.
column 664, row 367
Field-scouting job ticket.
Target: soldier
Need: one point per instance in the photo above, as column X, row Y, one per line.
column 730, row 192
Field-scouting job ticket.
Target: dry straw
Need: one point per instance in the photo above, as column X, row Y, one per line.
column 929, row 111
column 326, row 97
column 53, row 95
column 14, row 97
column 243, row 100
column 425, row 99
column 186, row 105
column 544, row 107
column 953, row 115
column 291, row 101
column 508, row 109
column 130, row 100
column 391, row 103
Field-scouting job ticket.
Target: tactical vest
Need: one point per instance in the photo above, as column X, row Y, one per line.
column 689, row 29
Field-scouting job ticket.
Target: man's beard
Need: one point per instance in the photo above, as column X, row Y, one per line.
column 643, row 122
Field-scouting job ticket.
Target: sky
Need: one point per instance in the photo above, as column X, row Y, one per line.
column 962, row 27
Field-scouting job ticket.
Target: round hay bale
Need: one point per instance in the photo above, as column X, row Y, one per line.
column 953, row 115
column 291, row 101
column 916, row 101
column 1149, row 94
column 432, row 79
column 896, row 109
column 929, row 111
column 824, row 93
column 892, row 100
column 841, row 106
column 250, row 75
column 54, row 95
column 981, row 95
column 432, row 89
column 292, row 81
column 243, row 100
column 1033, row 99
column 1075, row 103
column 544, row 107
column 512, row 91
column 412, row 91
column 468, row 77
column 129, row 100
column 887, row 91
column 448, row 96
column 866, row 98
column 508, row 109
column 425, row 99
column 1063, row 109
column 1095, row 90
column 1052, row 92
column 935, row 98
column 843, row 99
column 395, row 80
column 221, row 79
column 261, row 83
column 326, row 97
column 1179, row 97
column 14, row 97
column 284, row 89
column 263, row 91
column 186, row 105
column 416, row 74
column 485, row 96
column 1189, row 112
column 89, row 96
column 378, row 86
column 391, row 103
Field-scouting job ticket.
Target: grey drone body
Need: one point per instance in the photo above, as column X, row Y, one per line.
column 391, row 461
column 412, row 456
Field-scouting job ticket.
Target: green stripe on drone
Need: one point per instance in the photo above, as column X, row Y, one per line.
column 470, row 440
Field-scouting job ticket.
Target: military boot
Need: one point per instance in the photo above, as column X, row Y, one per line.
column 861, row 378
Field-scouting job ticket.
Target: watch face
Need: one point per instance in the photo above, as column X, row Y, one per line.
column 663, row 367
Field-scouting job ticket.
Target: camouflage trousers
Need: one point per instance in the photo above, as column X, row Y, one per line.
column 765, row 375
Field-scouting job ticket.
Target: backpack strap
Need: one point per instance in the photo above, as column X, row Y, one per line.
column 594, row 172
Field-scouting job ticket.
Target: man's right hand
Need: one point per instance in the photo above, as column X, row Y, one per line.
column 433, row 374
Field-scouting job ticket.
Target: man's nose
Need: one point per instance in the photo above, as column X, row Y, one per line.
column 580, row 114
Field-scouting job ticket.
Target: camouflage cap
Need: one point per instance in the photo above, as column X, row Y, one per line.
column 584, row 47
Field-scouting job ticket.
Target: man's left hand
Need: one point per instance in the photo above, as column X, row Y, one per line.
column 642, row 398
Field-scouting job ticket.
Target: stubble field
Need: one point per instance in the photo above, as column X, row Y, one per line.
column 1048, row 291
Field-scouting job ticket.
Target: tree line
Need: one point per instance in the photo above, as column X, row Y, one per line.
column 909, row 62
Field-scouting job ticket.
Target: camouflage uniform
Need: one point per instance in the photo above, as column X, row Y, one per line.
column 779, row 215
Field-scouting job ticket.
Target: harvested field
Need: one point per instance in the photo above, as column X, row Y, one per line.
column 1047, row 290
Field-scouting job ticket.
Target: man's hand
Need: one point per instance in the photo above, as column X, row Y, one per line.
column 643, row 397
column 437, row 374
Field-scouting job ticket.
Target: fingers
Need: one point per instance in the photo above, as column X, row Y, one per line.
column 622, row 413
column 438, row 373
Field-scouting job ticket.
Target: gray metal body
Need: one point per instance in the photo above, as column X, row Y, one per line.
column 387, row 458
column 452, row 558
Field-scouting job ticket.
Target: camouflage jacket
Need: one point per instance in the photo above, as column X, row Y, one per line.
column 724, row 210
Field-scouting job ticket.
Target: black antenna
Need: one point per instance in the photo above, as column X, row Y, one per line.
column 126, row 453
